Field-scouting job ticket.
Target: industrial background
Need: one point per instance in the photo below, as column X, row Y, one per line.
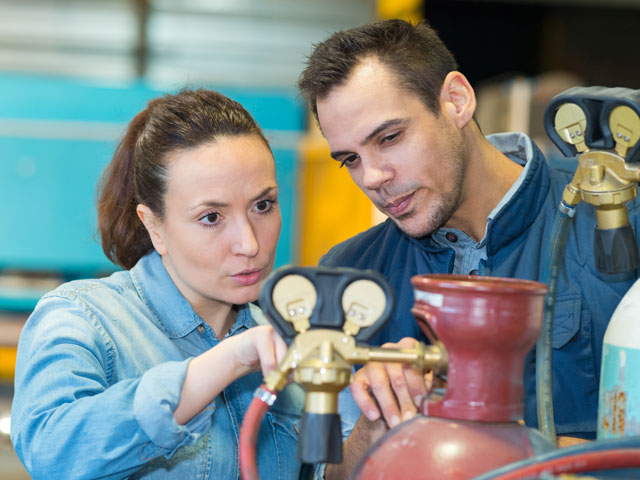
column 74, row 72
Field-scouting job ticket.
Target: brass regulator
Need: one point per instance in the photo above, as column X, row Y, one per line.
column 323, row 314
column 602, row 127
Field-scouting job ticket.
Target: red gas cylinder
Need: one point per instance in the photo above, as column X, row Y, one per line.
column 487, row 325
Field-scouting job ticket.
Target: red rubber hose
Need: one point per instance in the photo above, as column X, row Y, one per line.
column 263, row 398
column 579, row 463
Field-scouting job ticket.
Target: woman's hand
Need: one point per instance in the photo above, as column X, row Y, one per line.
column 259, row 348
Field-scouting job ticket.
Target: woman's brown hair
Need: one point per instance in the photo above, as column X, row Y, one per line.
column 138, row 171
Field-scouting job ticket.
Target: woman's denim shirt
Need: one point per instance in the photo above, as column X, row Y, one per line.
column 99, row 372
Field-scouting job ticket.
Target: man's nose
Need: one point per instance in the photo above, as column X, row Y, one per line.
column 246, row 241
column 375, row 173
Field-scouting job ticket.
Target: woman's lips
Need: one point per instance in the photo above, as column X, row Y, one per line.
column 400, row 206
column 248, row 277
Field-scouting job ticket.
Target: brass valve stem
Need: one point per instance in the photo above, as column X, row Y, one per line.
column 422, row 357
column 278, row 377
column 571, row 194
column 321, row 363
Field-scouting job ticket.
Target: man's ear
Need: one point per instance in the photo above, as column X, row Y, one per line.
column 153, row 226
column 457, row 99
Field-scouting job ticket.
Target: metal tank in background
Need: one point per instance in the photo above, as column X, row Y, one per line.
column 619, row 400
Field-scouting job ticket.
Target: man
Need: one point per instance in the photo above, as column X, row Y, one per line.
column 399, row 116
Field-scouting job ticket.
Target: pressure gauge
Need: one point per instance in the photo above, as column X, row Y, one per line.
column 296, row 299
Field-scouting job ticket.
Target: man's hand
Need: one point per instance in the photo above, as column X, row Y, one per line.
column 392, row 390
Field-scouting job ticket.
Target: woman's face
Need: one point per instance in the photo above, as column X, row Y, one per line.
column 218, row 238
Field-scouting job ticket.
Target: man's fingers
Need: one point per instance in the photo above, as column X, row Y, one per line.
column 396, row 389
column 409, row 386
column 400, row 386
column 416, row 384
column 380, row 384
column 362, row 397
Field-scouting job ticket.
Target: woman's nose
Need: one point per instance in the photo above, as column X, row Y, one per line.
column 246, row 241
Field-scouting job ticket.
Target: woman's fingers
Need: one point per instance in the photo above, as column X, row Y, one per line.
column 281, row 347
column 266, row 347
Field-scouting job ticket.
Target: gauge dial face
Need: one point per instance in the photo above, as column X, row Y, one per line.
column 625, row 125
column 571, row 123
column 294, row 297
column 363, row 302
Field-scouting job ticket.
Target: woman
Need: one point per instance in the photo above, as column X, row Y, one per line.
column 148, row 373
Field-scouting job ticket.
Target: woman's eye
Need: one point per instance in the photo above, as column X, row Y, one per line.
column 211, row 218
column 349, row 160
column 264, row 206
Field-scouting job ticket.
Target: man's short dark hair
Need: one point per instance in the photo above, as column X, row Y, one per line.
column 414, row 53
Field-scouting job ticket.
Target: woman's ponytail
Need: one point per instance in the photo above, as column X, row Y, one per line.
column 124, row 237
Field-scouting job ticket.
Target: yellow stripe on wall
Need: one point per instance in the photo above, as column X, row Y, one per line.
column 7, row 362
column 409, row 10
column 332, row 207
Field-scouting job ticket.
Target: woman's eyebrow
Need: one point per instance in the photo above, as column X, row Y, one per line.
column 264, row 192
column 217, row 204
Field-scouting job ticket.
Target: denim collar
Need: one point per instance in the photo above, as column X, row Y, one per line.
column 171, row 310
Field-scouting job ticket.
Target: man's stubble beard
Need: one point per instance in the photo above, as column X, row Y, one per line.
column 448, row 202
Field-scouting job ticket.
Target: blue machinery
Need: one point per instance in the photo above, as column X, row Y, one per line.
column 56, row 136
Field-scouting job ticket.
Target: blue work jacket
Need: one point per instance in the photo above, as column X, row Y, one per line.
column 516, row 238
column 99, row 373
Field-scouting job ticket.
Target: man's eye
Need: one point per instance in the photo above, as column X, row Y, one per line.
column 390, row 138
column 349, row 160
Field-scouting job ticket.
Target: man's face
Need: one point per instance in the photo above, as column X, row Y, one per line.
column 410, row 162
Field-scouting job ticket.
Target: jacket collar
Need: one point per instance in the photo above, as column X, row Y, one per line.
column 525, row 204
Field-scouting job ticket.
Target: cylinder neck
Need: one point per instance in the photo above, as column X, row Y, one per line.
column 487, row 326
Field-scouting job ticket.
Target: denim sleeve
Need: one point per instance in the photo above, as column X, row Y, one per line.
column 72, row 419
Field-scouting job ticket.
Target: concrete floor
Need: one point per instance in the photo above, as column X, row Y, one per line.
column 10, row 466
